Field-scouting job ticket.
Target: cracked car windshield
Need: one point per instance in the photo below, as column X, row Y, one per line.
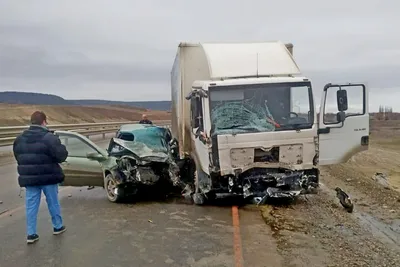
column 261, row 108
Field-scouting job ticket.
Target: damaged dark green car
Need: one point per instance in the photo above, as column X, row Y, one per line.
column 139, row 156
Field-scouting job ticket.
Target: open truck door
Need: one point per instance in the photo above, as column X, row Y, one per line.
column 343, row 122
column 199, row 128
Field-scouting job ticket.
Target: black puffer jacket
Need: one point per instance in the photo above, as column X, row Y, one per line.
column 38, row 153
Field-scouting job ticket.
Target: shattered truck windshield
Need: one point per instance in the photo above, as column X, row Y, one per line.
column 261, row 107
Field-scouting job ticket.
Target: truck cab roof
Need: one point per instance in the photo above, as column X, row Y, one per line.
column 260, row 80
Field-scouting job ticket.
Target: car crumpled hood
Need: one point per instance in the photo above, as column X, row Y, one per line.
column 143, row 152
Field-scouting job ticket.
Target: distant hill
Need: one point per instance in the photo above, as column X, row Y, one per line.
column 48, row 99
column 31, row 98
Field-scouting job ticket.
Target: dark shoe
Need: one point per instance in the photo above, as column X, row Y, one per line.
column 59, row 230
column 32, row 239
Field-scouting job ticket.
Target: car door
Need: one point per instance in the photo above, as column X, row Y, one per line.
column 343, row 122
column 79, row 169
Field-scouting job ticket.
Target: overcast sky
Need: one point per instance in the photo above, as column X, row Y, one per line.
column 124, row 49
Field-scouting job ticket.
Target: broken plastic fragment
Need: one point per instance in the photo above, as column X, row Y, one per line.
column 344, row 199
column 279, row 193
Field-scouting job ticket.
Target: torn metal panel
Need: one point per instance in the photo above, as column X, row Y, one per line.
column 263, row 184
column 142, row 151
column 135, row 173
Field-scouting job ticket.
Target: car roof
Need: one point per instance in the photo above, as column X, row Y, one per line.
column 135, row 126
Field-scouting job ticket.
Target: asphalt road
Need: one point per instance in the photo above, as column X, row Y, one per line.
column 100, row 233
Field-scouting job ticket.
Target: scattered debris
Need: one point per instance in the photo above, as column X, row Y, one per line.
column 382, row 179
column 344, row 200
column 20, row 192
column 1, row 202
column 150, row 221
column 69, row 195
column 90, row 187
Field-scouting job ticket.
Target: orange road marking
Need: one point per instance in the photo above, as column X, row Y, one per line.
column 237, row 241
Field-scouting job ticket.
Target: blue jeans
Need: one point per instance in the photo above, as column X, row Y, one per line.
column 32, row 203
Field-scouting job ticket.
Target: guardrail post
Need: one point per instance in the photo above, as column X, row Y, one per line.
column 104, row 135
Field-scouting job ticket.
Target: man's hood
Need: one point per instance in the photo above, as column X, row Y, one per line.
column 34, row 133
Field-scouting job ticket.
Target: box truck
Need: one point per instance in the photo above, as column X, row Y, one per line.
column 246, row 123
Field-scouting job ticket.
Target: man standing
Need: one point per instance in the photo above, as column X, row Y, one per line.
column 145, row 120
column 38, row 152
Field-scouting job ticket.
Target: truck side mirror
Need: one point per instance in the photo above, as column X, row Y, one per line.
column 341, row 96
column 340, row 116
column 189, row 96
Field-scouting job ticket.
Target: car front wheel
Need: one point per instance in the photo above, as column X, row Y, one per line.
column 111, row 189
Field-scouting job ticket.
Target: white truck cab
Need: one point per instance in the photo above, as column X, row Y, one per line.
column 246, row 121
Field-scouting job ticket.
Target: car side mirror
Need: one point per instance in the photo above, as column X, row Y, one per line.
column 95, row 156
column 341, row 96
column 341, row 116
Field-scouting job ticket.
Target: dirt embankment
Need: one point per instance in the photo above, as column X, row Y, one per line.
column 317, row 231
column 13, row 115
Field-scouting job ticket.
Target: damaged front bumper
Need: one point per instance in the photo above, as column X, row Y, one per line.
column 263, row 186
column 132, row 176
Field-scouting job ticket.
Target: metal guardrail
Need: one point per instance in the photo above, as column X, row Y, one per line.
column 9, row 133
